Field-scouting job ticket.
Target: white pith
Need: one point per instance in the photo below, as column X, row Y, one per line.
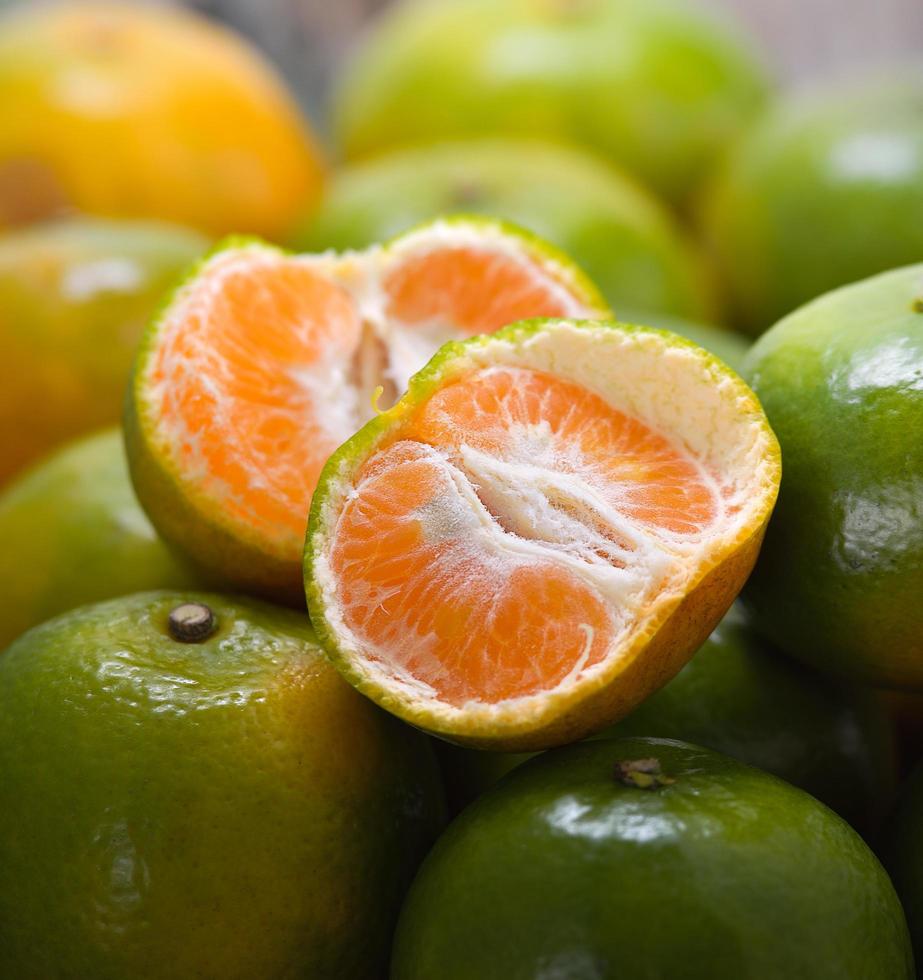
column 339, row 389
column 678, row 391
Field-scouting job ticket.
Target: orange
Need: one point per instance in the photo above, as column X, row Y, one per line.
column 75, row 296
column 128, row 110
column 264, row 363
column 210, row 802
column 541, row 532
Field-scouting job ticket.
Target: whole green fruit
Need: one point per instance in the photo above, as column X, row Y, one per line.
column 827, row 189
column 657, row 86
column 188, row 789
column 839, row 580
column 649, row 858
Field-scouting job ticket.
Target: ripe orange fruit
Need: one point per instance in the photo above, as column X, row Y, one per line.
column 75, row 296
column 128, row 110
column 541, row 532
column 200, row 803
column 264, row 362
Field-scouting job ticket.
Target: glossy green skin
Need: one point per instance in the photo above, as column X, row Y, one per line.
column 75, row 296
column 624, row 239
column 72, row 532
column 657, row 86
column 227, row 809
column 827, row 190
column 902, row 853
column 562, row 870
column 839, row 580
column 739, row 696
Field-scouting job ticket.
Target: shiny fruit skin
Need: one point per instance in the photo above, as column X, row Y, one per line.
column 222, row 809
column 725, row 872
column 840, row 576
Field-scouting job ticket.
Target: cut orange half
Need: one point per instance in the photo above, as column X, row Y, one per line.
column 541, row 532
column 264, row 362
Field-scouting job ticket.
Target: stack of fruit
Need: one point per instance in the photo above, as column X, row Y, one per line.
column 404, row 525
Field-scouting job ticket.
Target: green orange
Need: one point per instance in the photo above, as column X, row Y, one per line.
column 541, row 531
column 657, row 86
column 72, row 532
column 220, row 808
column 75, row 296
column 839, row 581
column 140, row 111
column 825, row 190
column 652, row 858
column 624, row 239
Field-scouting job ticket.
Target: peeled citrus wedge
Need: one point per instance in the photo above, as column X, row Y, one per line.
column 264, row 362
column 541, row 532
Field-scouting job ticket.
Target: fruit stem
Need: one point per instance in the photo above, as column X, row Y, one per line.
column 192, row 622
column 642, row 774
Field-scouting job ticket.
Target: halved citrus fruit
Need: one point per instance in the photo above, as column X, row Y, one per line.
column 265, row 362
column 541, row 531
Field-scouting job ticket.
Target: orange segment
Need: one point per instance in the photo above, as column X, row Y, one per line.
column 473, row 290
column 431, row 573
column 240, row 381
column 265, row 363
column 439, row 600
column 535, row 419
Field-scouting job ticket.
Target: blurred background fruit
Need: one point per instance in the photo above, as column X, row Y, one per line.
column 126, row 110
column 649, row 858
column 74, row 297
column 73, row 533
column 800, row 40
column 621, row 236
column 658, row 86
column 827, row 189
column 839, row 581
column 222, row 808
column 741, row 697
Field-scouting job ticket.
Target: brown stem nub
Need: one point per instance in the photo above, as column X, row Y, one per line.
column 192, row 622
column 642, row 774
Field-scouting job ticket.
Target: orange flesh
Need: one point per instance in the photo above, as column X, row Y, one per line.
column 432, row 575
column 265, row 371
column 475, row 291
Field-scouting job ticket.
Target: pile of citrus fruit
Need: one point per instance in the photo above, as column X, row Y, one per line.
column 386, row 595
